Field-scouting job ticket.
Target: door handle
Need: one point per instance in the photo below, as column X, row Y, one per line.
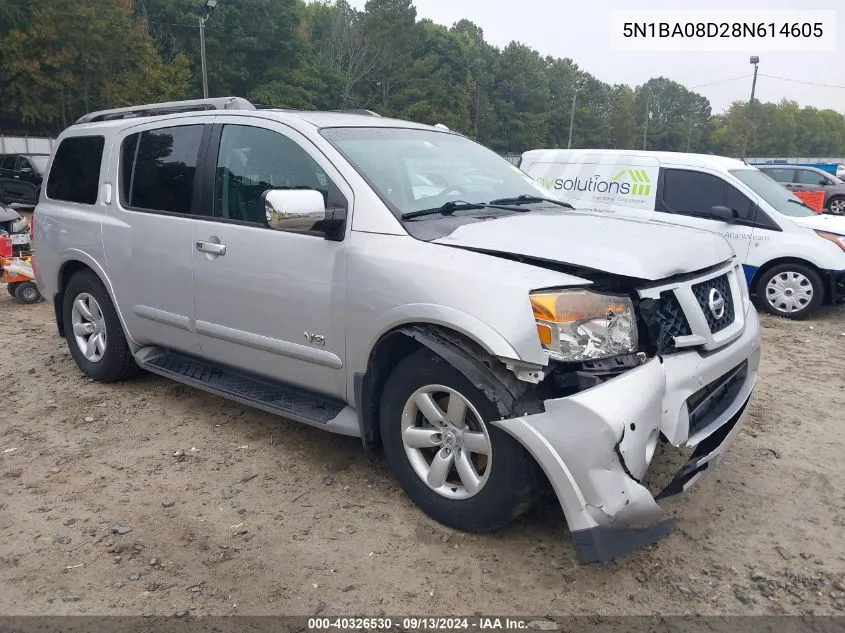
column 211, row 248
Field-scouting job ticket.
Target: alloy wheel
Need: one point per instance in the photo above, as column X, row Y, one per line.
column 89, row 327
column 446, row 441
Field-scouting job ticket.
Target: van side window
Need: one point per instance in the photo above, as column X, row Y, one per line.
column 158, row 169
column 75, row 174
column 252, row 160
column 780, row 175
column 695, row 193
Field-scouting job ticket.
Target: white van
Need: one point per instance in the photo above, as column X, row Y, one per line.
column 794, row 258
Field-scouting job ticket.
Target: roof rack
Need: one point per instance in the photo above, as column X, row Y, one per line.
column 358, row 111
column 171, row 107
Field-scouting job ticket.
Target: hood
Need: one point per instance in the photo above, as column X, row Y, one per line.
column 832, row 223
column 646, row 250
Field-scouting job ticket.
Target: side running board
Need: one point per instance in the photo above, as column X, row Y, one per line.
column 262, row 393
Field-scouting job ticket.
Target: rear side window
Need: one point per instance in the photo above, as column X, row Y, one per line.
column 159, row 169
column 75, row 174
column 7, row 162
column 695, row 193
column 781, row 175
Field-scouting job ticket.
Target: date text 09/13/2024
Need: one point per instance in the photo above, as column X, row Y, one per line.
column 427, row 623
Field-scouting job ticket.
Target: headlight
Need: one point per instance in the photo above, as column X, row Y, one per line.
column 578, row 325
column 837, row 239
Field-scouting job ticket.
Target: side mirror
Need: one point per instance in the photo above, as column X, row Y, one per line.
column 26, row 170
column 824, row 183
column 293, row 209
column 724, row 213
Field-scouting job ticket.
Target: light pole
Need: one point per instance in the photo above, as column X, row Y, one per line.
column 755, row 60
column 207, row 8
column 572, row 114
column 647, row 119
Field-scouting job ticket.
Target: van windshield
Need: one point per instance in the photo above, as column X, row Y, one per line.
column 414, row 170
column 773, row 193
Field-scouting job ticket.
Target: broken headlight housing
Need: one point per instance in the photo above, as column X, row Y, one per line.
column 580, row 325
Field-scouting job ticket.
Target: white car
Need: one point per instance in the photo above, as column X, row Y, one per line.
column 794, row 258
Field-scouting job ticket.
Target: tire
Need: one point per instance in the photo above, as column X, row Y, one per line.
column 27, row 292
column 111, row 361
column 11, row 287
column 799, row 293
column 508, row 475
column 836, row 205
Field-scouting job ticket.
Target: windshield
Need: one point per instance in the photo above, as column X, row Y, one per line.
column 773, row 193
column 40, row 163
column 415, row 170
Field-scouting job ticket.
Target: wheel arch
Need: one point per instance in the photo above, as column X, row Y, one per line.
column 752, row 286
column 457, row 348
column 70, row 267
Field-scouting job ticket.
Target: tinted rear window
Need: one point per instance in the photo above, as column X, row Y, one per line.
column 75, row 174
column 165, row 165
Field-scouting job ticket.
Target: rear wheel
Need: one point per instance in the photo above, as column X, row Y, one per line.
column 95, row 336
column 27, row 292
column 836, row 206
column 793, row 291
column 457, row 467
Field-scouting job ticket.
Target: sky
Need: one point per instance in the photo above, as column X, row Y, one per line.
column 582, row 31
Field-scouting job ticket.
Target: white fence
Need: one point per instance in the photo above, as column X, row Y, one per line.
column 800, row 159
column 26, row 145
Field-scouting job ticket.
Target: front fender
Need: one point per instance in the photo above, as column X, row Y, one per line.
column 471, row 327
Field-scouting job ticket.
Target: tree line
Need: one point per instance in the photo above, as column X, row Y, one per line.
column 62, row 58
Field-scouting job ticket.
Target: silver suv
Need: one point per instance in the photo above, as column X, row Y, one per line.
column 403, row 284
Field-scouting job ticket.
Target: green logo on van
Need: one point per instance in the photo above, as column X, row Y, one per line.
column 640, row 182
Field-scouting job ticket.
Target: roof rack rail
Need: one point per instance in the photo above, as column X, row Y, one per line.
column 360, row 111
column 170, row 107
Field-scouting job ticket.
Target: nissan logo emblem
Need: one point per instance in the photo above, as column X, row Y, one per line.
column 716, row 303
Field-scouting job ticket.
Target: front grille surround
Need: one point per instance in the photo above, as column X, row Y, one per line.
column 676, row 315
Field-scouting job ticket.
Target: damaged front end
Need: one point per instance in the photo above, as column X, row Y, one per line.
column 602, row 421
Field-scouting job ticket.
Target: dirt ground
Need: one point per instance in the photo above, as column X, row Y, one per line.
column 153, row 498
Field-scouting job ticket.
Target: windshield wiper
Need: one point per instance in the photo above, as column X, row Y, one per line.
column 446, row 209
column 526, row 199
column 458, row 205
column 801, row 203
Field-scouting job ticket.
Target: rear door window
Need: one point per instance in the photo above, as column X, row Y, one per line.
column 159, row 167
column 780, row 175
column 75, row 174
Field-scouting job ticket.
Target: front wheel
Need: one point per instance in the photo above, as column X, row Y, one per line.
column 457, row 467
column 793, row 291
column 836, row 206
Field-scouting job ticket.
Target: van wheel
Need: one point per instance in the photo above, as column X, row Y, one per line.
column 836, row 206
column 27, row 292
column 789, row 290
column 437, row 437
column 94, row 334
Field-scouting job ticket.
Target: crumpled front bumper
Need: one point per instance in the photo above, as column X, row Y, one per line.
column 596, row 446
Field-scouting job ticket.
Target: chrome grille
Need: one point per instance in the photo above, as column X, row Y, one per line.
column 702, row 294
